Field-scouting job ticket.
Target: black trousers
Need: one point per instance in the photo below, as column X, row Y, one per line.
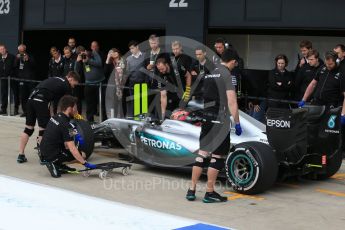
column 25, row 89
column 91, row 98
column 58, row 157
column 4, row 93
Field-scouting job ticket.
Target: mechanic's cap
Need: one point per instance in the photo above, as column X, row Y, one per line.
column 331, row 55
column 229, row 55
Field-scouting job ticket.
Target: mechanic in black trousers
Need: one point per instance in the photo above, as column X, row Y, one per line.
column 328, row 86
column 169, row 86
column 220, row 101
column 49, row 90
column 57, row 145
column 8, row 70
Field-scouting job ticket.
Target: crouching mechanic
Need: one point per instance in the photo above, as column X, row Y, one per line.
column 37, row 107
column 57, row 145
column 219, row 99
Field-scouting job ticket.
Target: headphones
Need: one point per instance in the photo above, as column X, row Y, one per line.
column 223, row 41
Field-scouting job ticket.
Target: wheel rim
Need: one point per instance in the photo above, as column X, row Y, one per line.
column 241, row 168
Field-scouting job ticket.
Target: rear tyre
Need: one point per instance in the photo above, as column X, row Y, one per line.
column 333, row 165
column 251, row 168
column 86, row 132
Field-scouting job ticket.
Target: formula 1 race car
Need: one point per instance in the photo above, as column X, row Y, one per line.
column 297, row 142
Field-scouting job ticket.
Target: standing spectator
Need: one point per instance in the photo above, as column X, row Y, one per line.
column 306, row 74
column 25, row 65
column 90, row 63
column 69, row 60
column 304, row 46
column 8, row 70
column 182, row 62
column 133, row 63
column 79, row 89
column 114, row 68
column 340, row 50
column 280, row 83
column 96, row 48
column 200, row 68
column 56, row 63
column 73, row 45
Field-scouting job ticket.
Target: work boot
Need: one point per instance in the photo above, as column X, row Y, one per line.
column 21, row 158
column 190, row 195
column 212, row 197
column 53, row 169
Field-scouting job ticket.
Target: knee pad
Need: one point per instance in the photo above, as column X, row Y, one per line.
column 201, row 160
column 217, row 163
column 40, row 133
column 29, row 132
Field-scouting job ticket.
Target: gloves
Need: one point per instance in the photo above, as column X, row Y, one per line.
column 186, row 94
column 89, row 165
column 238, row 129
column 301, row 104
column 78, row 117
column 342, row 120
column 79, row 139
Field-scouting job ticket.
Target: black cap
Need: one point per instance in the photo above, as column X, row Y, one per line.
column 229, row 55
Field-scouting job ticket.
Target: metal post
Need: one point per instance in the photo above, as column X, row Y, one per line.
column 100, row 102
column 9, row 95
column 112, row 113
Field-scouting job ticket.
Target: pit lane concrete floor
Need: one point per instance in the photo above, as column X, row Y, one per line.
column 295, row 204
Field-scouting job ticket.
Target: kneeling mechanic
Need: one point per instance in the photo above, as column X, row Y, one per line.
column 57, row 145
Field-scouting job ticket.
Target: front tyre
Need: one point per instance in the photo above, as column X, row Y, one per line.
column 251, row 168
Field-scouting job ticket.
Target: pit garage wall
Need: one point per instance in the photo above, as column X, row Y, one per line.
column 10, row 24
column 177, row 17
column 258, row 51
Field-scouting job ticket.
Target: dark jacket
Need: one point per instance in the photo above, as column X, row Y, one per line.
column 56, row 69
column 25, row 69
column 8, row 66
column 282, row 91
column 69, row 64
column 303, row 78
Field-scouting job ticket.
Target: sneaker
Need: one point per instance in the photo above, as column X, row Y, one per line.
column 211, row 197
column 190, row 195
column 54, row 172
column 21, row 158
column 65, row 169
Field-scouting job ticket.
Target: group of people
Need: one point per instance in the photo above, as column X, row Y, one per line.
column 313, row 80
column 172, row 79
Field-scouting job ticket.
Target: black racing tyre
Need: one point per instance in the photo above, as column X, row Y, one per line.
column 333, row 165
column 85, row 130
column 251, row 168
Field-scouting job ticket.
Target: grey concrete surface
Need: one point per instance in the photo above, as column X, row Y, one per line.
column 301, row 204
